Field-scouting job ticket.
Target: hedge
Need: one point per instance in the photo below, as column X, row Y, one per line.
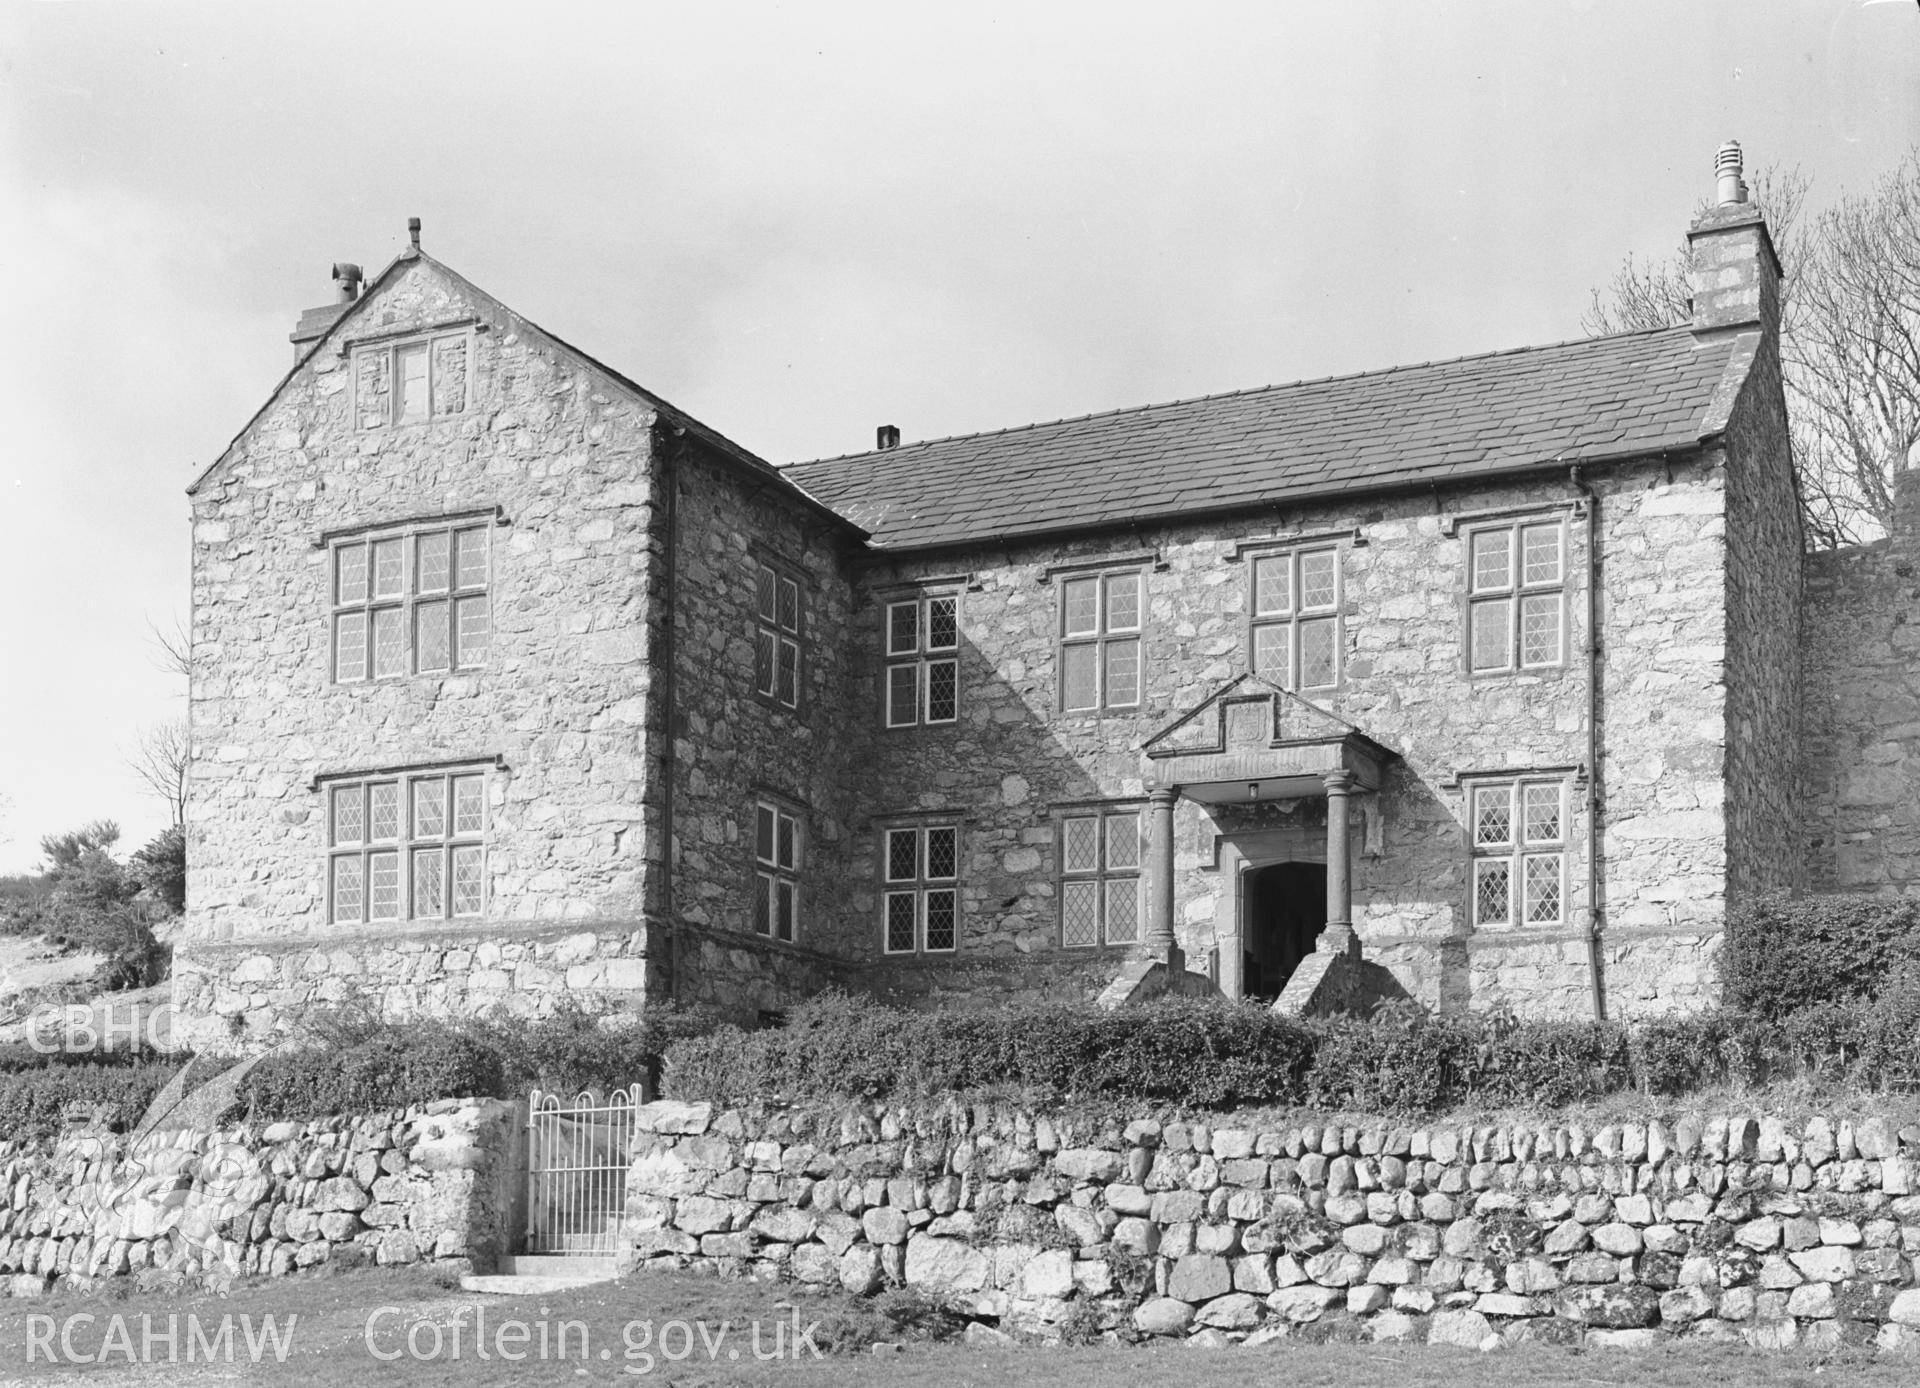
column 1785, row 955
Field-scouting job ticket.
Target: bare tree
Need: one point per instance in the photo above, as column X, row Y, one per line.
column 1849, row 339
column 160, row 760
column 1853, row 360
column 173, row 647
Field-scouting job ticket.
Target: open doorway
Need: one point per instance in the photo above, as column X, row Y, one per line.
column 1286, row 909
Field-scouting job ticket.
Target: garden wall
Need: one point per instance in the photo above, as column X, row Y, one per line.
column 1723, row 1228
column 431, row 1184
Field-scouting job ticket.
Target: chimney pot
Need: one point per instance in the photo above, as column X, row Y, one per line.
column 887, row 436
column 413, row 232
column 346, row 280
column 1729, row 186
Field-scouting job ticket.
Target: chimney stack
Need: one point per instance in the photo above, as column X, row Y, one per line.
column 314, row 322
column 1734, row 272
column 886, row 437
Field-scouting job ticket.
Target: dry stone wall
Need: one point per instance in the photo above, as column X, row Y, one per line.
column 1729, row 1228
column 193, row 1206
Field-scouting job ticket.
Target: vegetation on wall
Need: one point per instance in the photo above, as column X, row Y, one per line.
column 1826, row 988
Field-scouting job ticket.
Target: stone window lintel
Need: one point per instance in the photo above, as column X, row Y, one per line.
column 496, row 513
column 496, row 762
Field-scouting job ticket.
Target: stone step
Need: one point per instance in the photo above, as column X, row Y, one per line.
column 526, row 1284
column 539, row 1274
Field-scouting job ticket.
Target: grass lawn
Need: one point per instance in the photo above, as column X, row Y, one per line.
column 328, row 1345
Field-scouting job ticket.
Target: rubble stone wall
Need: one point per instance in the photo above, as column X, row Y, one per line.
column 1013, row 764
column 237, row 996
column 1730, row 1228
column 558, row 712
column 433, row 1184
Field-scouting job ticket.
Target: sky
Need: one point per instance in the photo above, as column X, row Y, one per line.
column 801, row 222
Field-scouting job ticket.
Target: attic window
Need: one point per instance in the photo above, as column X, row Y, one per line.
column 411, row 380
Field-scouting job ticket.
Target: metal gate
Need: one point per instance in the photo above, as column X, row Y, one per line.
column 578, row 1149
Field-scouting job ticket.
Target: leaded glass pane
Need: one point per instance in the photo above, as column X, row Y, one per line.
column 943, row 624
column 763, row 660
column 902, row 913
column 470, row 558
column 1490, row 631
column 1540, row 554
column 389, row 643
column 350, row 573
column 1123, row 673
column 429, row 882
column 474, row 630
column 943, row 695
column 1492, row 560
column 430, row 639
column 1123, row 910
column 469, row 804
column 903, row 855
column 1080, row 606
column 1270, row 653
column 789, row 841
column 347, row 898
column 383, row 812
column 383, row 887
column 1319, row 584
column 943, row 919
column 789, row 604
column 1543, row 888
column 1123, row 602
column 943, row 853
column 429, row 807
column 389, row 568
column 350, row 646
column 432, row 560
column 349, row 814
column 1123, row 842
column 762, row 904
column 786, row 898
column 903, row 628
column 1273, row 585
column 469, row 880
column 1492, row 891
column 763, row 818
column 763, row 586
column 1080, row 679
column 1080, row 913
column 789, row 691
column 1540, row 629
column 1080, row 845
column 1492, row 816
column 1317, row 653
column 903, row 695
column 1542, row 810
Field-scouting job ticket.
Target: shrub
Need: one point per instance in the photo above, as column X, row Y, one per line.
column 577, row 1049
column 393, row 1066
column 36, row 1101
column 1208, row 1054
column 1784, row 955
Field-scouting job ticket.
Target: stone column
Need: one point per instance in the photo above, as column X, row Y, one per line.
column 1160, row 884
column 1338, row 938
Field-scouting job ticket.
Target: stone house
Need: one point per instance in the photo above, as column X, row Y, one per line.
column 513, row 684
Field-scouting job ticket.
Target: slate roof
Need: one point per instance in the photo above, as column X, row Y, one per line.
column 1593, row 399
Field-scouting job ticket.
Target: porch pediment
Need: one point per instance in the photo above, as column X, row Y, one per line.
column 1251, row 733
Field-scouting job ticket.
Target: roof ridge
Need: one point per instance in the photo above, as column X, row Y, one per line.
column 1378, row 371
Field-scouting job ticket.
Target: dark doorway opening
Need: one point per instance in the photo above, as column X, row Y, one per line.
column 1286, row 909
